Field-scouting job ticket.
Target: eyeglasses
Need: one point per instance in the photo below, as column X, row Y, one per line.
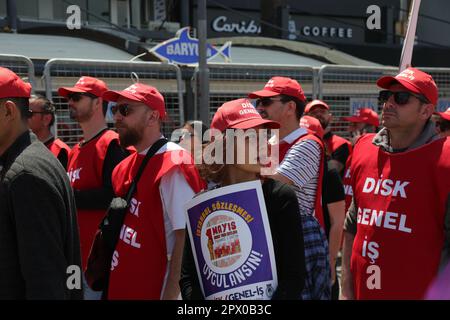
column 77, row 96
column 400, row 98
column 124, row 109
column 265, row 102
column 38, row 112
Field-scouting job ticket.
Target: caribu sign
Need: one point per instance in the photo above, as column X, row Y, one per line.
column 184, row 50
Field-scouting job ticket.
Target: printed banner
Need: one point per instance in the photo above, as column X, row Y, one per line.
column 232, row 243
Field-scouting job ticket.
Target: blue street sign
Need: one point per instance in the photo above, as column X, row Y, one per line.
column 184, row 50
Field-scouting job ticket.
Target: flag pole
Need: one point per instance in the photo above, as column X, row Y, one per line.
column 408, row 44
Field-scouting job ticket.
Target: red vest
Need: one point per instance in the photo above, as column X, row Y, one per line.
column 401, row 202
column 335, row 142
column 139, row 263
column 56, row 146
column 85, row 170
column 283, row 149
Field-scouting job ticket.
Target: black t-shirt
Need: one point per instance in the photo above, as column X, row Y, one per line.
column 287, row 236
column 332, row 191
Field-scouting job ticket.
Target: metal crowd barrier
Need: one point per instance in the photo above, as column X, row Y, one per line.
column 346, row 88
column 21, row 65
column 117, row 75
column 233, row 81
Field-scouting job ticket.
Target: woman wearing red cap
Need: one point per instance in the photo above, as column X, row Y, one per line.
column 280, row 199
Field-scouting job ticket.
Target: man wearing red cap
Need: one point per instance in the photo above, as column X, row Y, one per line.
column 365, row 120
column 338, row 149
column 443, row 123
column 40, row 122
column 301, row 157
column 397, row 229
column 39, row 241
column 92, row 160
column 146, row 263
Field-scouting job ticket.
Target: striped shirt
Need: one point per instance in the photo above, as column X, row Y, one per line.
column 301, row 166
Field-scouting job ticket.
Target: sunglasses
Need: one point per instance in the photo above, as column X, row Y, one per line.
column 400, row 98
column 124, row 109
column 265, row 102
column 77, row 96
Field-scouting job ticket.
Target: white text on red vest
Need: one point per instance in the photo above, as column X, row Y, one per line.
column 385, row 187
column 387, row 220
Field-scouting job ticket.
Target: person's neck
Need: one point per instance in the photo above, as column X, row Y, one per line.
column 147, row 141
column 92, row 127
column 43, row 135
column 11, row 138
column 235, row 175
column 402, row 138
column 288, row 127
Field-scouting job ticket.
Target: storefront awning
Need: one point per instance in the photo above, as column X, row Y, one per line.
column 48, row 47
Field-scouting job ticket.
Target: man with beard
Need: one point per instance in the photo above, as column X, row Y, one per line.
column 92, row 160
column 146, row 263
column 397, row 229
column 41, row 120
column 338, row 149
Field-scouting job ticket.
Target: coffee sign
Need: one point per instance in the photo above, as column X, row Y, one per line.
column 222, row 23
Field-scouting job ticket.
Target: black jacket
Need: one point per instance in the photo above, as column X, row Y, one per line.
column 38, row 225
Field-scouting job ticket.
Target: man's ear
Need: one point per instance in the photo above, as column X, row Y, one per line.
column 292, row 107
column 11, row 110
column 47, row 119
column 427, row 111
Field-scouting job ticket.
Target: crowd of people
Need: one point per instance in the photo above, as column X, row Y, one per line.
column 380, row 202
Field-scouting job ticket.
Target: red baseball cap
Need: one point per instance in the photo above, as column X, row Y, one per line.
column 85, row 85
column 12, row 86
column 312, row 124
column 444, row 115
column 280, row 85
column 314, row 103
column 239, row 114
column 139, row 92
column 415, row 81
column 365, row 115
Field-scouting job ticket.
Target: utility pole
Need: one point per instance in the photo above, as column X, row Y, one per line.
column 11, row 9
column 203, row 74
column 274, row 12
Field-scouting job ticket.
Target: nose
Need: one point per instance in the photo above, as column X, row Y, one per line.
column 117, row 116
column 390, row 103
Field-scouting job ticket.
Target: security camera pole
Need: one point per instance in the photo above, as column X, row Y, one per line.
column 203, row 75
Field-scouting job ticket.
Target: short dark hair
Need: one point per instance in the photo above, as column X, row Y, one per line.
column 47, row 106
column 300, row 105
column 22, row 104
column 194, row 124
